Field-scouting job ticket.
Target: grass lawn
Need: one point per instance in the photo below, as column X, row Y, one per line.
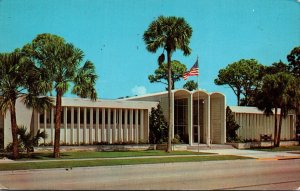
column 22, row 165
column 108, row 154
column 271, row 149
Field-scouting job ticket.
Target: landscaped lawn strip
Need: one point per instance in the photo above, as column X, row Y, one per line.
column 108, row 154
column 22, row 165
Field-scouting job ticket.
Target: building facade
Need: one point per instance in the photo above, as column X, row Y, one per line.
column 254, row 123
column 86, row 122
column 199, row 117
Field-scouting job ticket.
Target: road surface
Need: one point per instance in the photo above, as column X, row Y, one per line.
column 236, row 174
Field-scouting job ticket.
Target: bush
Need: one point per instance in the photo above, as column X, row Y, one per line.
column 231, row 126
column 176, row 139
column 26, row 140
column 158, row 126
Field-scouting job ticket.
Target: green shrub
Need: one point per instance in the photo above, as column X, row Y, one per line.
column 231, row 126
column 176, row 139
column 158, row 126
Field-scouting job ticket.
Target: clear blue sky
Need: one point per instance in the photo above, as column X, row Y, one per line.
column 110, row 34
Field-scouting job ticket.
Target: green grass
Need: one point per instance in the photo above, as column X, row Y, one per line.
column 108, row 154
column 276, row 149
column 111, row 162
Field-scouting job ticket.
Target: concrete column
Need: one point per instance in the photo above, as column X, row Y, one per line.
column 208, row 138
column 78, row 125
column 91, row 126
column 136, row 134
column 38, row 122
column 66, row 124
column 126, row 125
column 72, row 125
column 103, row 137
column 84, row 125
column 97, row 126
column 45, row 123
column 142, row 138
column 120, row 129
column 190, row 119
column 131, row 125
column 224, row 121
column 146, row 123
column 172, row 113
column 109, row 138
column 52, row 125
column 114, row 131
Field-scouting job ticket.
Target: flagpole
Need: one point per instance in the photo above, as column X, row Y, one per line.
column 198, row 107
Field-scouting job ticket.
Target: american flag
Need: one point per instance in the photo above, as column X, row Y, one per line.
column 194, row 71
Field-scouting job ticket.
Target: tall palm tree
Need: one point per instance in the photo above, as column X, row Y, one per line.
column 170, row 34
column 19, row 79
column 278, row 91
column 61, row 66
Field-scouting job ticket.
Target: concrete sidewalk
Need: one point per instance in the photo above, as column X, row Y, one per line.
column 261, row 155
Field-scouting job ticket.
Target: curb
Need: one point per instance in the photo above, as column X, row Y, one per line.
column 279, row 158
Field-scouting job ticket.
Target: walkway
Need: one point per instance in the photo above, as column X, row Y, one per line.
column 260, row 155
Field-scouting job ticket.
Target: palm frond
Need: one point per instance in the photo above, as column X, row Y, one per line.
column 39, row 103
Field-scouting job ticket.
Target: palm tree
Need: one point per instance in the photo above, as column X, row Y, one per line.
column 170, row 34
column 19, row 79
column 278, row 91
column 28, row 139
column 61, row 66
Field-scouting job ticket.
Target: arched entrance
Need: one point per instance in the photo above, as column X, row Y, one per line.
column 181, row 114
column 200, row 122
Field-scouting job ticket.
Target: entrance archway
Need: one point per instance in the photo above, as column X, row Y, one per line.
column 199, row 126
column 181, row 114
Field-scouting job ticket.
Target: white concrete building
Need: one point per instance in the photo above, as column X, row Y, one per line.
column 253, row 122
column 87, row 122
column 199, row 118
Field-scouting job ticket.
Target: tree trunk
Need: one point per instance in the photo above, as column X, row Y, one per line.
column 58, row 109
column 14, row 129
column 238, row 95
column 275, row 128
column 279, row 129
column 170, row 120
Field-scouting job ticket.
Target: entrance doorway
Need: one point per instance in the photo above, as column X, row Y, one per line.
column 198, row 132
column 181, row 119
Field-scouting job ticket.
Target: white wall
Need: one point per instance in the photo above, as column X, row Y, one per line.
column 24, row 116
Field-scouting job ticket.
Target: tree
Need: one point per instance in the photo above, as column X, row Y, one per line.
column 170, row 34
column 242, row 77
column 19, row 79
column 294, row 61
column 161, row 73
column 278, row 91
column 28, row 139
column 61, row 66
column 158, row 126
column 294, row 66
column 231, row 126
column 190, row 85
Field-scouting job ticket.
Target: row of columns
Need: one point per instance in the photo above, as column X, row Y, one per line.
column 112, row 129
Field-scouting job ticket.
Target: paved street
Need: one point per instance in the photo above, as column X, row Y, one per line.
column 237, row 174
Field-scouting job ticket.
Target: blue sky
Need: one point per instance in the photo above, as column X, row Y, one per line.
column 110, row 34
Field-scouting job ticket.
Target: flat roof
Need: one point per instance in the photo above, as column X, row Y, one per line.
column 122, row 104
column 247, row 109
